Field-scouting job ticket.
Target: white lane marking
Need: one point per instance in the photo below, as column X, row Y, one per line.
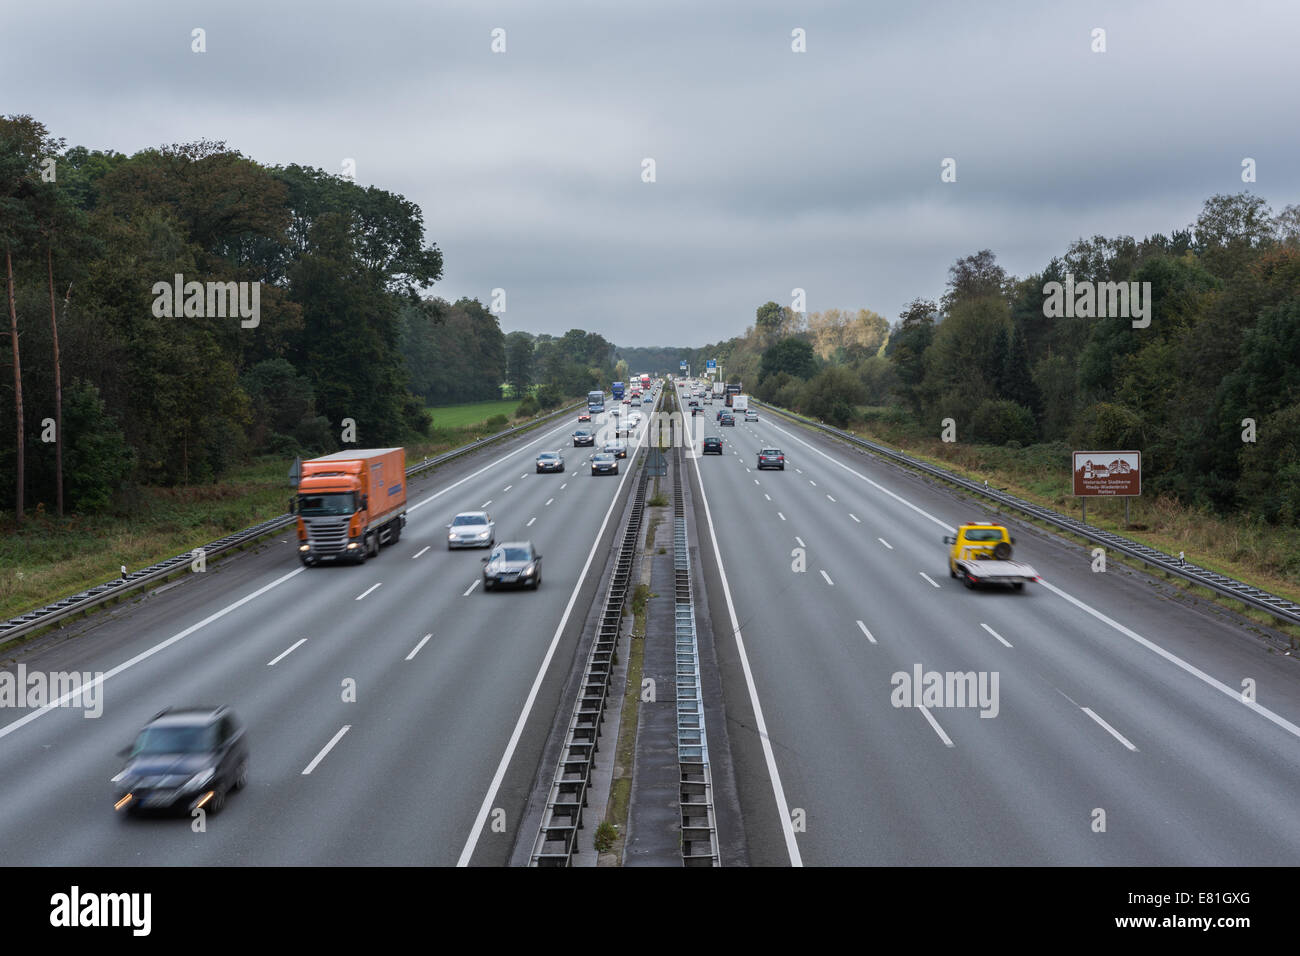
column 886, row 543
column 811, row 482
column 1178, row 661
column 747, row 469
column 438, row 494
column 467, row 852
column 424, row 640
column 864, row 630
column 144, row 655
column 507, row 487
column 326, row 749
column 530, row 522
column 486, row 503
column 524, row 475
column 563, row 486
column 995, row 634
column 548, row 502
column 782, row 805
column 947, row 741
column 368, row 590
column 292, row 648
column 800, row 470
column 767, row 496
column 781, row 516
column 470, row 590
column 755, row 481
column 421, row 551
column 828, row 579
column 855, row 517
column 1113, row 732
column 928, row 578
column 832, row 499
column 800, row 540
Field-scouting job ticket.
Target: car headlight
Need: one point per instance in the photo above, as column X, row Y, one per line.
column 528, row 571
column 199, row 780
column 482, row 534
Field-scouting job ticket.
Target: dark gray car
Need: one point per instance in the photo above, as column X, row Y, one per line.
column 513, row 564
column 183, row 759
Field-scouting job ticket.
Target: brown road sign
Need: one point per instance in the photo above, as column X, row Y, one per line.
column 1108, row 473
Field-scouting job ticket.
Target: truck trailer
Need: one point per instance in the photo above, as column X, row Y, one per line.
column 349, row 504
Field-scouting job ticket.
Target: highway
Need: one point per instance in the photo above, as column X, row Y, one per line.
column 1118, row 736
column 439, row 674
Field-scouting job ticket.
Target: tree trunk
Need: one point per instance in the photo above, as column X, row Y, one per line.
column 18, row 383
column 58, row 386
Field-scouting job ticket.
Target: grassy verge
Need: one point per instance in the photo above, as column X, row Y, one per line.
column 1259, row 555
column 474, row 413
column 50, row 558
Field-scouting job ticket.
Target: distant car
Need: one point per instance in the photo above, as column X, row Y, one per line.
column 550, row 461
column 634, row 420
column 751, row 415
column 513, row 563
column 636, row 403
column 696, row 411
column 708, row 401
column 627, row 401
column 692, row 404
column 616, row 448
column 604, row 463
column 771, row 458
column 185, row 758
column 583, row 436
column 584, row 416
column 721, row 412
column 728, row 419
column 471, row 529
column 712, row 445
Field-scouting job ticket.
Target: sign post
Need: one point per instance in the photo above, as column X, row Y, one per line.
column 1107, row 474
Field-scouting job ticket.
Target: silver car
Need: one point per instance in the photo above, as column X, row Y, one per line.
column 471, row 529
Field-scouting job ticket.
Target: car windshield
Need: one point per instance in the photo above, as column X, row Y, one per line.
column 581, row 432
column 175, row 740
column 468, row 519
column 335, row 503
column 547, row 455
column 603, row 456
column 983, row 534
column 513, row 554
column 772, row 452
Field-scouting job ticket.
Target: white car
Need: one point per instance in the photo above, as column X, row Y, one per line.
column 634, row 420
column 471, row 529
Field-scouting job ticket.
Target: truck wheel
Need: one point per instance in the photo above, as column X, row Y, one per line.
column 397, row 531
column 951, row 572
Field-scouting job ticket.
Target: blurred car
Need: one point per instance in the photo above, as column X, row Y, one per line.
column 636, row 403
column 707, row 400
column 721, row 412
column 751, row 415
column 712, row 445
column 634, row 420
column 583, row 436
column 513, row 563
column 616, row 448
column 692, row 404
column 550, row 461
column 604, row 463
column 471, row 529
column 727, row 419
column 696, row 411
column 184, row 758
column 584, row 416
column 771, row 458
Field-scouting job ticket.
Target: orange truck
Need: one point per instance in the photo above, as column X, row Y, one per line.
column 350, row 503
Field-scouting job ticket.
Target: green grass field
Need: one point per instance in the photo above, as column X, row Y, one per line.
column 462, row 416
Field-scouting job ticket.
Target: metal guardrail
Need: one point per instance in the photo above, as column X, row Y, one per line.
column 110, row 590
column 1280, row 607
column 557, row 836
column 695, row 780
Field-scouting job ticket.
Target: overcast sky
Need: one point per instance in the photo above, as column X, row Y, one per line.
column 774, row 169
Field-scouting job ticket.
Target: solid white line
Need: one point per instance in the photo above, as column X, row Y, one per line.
column 548, row 501
column 326, row 749
column 424, row 640
column 800, row 540
column 143, row 655
column 272, row 663
column 947, row 741
column 866, row 632
column 886, row 543
column 467, row 852
column 928, row 578
column 828, row 496
column 782, row 806
column 855, row 517
column 781, row 516
column 421, row 551
column 995, row 634
column 828, row 579
column 530, row 522
column 470, row 589
column 1113, row 732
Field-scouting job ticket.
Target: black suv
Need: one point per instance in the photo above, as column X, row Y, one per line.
column 184, row 758
column 583, row 436
column 712, row 446
column 727, row 419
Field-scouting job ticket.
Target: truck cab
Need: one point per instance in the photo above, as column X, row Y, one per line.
column 980, row 553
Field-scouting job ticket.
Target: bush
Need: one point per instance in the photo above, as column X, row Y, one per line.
column 1000, row 422
column 527, row 408
column 549, row 396
column 497, row 422
column 832, row 395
